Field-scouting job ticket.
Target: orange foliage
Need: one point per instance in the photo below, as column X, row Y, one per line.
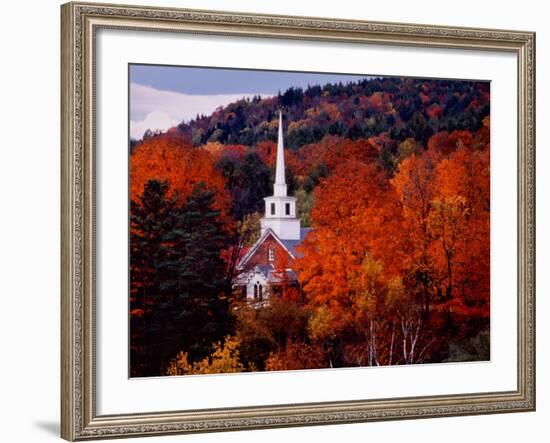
column 465, row 177
column 445, row 229
column 346, row 204
column 295, row 355
column 170, row 158
column 378, row 101
column 333, row 151
column 424, row 233
column 415, row 189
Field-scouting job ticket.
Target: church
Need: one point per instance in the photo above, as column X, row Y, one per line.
column 268, row 264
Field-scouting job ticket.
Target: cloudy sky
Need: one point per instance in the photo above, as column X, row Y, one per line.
column 163, row 96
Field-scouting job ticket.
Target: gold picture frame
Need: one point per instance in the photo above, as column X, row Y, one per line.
column 80, row 21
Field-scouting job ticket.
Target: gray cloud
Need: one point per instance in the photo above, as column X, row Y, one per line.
column 154, row 109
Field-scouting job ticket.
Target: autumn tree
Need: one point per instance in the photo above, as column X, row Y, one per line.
column 387, row 320
column 224, row 359
column 460, row 226
column 295, row 355
column 445, row 209
column 415, row 188
column 170, row 158
column 332, row 151
column 262, row 332
column 350, row 209
column 446, row 143
column 345, row 204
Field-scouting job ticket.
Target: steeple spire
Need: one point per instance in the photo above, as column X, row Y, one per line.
column 280, row 182
column 280, row 208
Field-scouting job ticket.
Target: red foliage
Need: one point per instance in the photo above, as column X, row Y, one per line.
column 446, row 143
column 170, row 157
column 434, row 111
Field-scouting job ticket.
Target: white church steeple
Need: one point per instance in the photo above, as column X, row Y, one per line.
column 280, row 183
column 280, row 209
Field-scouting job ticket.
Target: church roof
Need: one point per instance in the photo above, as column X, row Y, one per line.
column 289, row 245
column 264, row 269
column 292, row 244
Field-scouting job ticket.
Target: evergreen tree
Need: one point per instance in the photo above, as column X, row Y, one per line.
column 194, row 312
column 249, row 181
column 178, row 278
column 149, row 221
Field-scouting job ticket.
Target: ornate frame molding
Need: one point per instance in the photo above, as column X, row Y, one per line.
column 80, row 21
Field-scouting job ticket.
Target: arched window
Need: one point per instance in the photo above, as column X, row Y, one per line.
column 256, row 291
column 260, row 293
column 271, row 254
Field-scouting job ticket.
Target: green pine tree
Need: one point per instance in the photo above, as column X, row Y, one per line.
column 178, row 278
column 150, row 219
column 196, row 311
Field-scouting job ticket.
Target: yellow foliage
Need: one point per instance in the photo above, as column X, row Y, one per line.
column 320, row 324
column 224, row 359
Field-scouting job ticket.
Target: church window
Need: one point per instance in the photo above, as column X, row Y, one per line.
column 271, row 254
column 256, row 291
column 260, row 293
column 287, row 208
column 272, row 208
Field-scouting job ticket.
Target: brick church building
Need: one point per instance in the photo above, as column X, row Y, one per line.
column 269, row 263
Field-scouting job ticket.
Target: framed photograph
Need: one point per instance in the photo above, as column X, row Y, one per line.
column 277, row 221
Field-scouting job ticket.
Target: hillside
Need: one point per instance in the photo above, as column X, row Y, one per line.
column 404, row 108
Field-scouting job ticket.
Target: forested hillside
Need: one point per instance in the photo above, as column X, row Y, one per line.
column 410, row 108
